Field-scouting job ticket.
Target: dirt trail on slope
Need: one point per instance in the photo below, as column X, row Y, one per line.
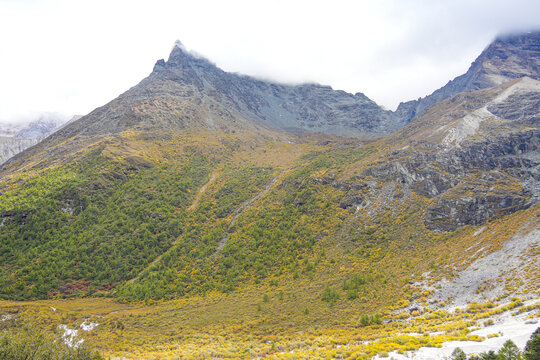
column 195, row 203
column 192, row 207
column 237, row 212
column 241, row 210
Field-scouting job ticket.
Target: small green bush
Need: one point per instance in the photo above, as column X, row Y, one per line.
column 532, row 349
column 330, row 296
column 32, row 343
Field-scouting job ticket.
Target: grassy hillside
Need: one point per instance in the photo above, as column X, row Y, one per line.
column 211, row 244
column 154, row 218
column 84, row 227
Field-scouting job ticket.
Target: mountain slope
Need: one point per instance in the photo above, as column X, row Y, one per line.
column 508, row 57
column 471, row 155
column 108, row 205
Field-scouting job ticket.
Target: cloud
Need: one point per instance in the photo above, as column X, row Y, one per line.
column 71, row 56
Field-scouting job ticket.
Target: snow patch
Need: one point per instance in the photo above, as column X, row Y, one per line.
column 70, row 337
column 88, row 326
column 6, row 317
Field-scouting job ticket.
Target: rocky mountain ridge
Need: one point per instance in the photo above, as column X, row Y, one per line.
column 470, row 155
column 507, row 58
column 188, row 91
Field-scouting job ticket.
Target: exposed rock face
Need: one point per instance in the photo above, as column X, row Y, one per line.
column 18, row 137
column 472, row 163
column 187, row 91
column 10, row 146
column 506, row 59
column 474, row 201
column 309, row 106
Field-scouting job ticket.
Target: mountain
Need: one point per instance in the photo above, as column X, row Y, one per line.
column 43, row 126
column 8, row 130
column 17, row 137
column 11, row 146
column 223, row 215
column 188, row 91
column 474, row 155
column 508, row 57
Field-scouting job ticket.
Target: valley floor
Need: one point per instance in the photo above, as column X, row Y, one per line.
column 280, row 326
column 336, row 310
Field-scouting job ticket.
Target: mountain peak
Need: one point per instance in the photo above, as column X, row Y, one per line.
column 520, row 38
column 178, row 44
column 183, row 65
column 180, row 54
column 510, row 56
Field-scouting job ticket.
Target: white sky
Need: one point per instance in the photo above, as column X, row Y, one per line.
column 73, row 56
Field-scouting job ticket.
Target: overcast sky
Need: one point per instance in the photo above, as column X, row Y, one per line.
column 72, row 56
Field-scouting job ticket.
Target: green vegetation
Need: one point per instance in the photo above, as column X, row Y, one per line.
column 96, row 226
column 366, row 320
column 509, row 351
column 139, row 227
column 458, row 354
column 192, row 264
column 224, row 325
column 32, row 343
column 532, row 349
column 353, row 285
column 207, row 263
column 330, row 296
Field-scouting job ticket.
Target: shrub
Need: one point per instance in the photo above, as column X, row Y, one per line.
column 532, row 349
column 32, row 343
column 366, row 320
column 352, row 294
column 330, row 295
column 509, row 351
